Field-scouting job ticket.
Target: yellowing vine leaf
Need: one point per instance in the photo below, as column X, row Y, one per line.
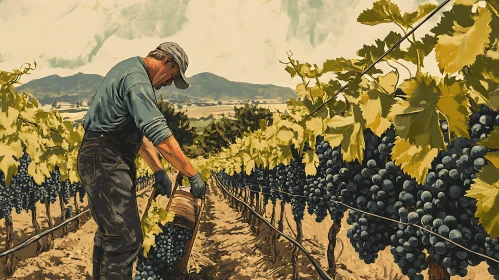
column 454, row 103
column 349, row 132
column 465, row 2
column 415, row 161
column 492, row 140
column 156, row 215
column 388, row 82
column 250, row 165
column 375, row 107
column 311, row 161
column 301, row 91
column 8, row 164
column 485, row 190
column 416, row 118
column 455, row 52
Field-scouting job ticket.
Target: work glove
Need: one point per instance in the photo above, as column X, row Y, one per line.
column 162, row 183
column 198, row 187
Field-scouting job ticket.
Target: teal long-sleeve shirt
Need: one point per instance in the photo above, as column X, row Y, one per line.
column 126, row 92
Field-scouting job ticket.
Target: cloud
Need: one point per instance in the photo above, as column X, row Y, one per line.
column 242, row 40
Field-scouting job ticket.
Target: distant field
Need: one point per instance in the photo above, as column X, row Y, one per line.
column 228, row 110
column 197, row 112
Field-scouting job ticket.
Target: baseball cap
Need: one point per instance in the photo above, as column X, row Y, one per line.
column 180, row 58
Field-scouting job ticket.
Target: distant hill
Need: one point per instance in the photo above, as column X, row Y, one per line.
column 81, row 87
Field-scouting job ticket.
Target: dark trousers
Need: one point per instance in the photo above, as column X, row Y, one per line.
column 108, row 177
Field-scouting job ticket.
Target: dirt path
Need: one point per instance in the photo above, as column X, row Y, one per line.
column 233, row 250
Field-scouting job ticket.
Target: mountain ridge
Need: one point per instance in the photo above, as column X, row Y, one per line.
column 204, row 85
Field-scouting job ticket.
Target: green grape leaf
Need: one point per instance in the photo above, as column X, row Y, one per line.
column 422, row 11
column 341, row 64
column 383, row 11
column 493, row 157
column 423, row 48
column 454, row 104
column 480, row 79
column 390, row 40
column 311, row 161
column 494, row 99
column 416, row 119
column 461, row 49
column 291, row 71
column 459, row 14
column 485, row 189
column 492, row 140
column 415, row 161
column 375, row 107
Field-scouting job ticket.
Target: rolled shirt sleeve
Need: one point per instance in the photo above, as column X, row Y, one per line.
column 141, row 104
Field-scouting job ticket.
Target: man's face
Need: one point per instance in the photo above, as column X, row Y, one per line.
column 166, row 75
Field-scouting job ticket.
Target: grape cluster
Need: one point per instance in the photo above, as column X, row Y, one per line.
column 67, row 212
column 265, row 187
column 483, row 122
column 274, row 186
column 81, row 190
column 367, row 235
column 326, row 185
column 67, row 191
column 281, row 181
column 163, row 259
column 51, row 186
column 295, row 182
column 492, row 250
column 6, row 200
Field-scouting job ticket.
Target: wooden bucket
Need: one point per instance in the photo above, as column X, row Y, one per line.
column 188, row 210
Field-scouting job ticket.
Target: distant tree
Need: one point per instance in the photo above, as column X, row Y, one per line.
column 179, row 124
column 219, row 103
column 54, row 104
column 249, row 116
column 220, row 134
column 180, row 106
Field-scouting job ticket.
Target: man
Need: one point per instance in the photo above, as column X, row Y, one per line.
column 124, row 119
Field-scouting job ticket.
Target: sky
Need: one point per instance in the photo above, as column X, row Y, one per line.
column 241, row 40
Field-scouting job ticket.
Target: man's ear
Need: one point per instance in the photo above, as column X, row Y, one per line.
column 168, row 60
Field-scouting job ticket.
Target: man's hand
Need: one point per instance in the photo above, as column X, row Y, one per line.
column 198, row 187
column 163, row 184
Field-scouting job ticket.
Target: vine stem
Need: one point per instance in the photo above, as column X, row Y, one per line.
column 417, row 53
column 448, row 125
column 397, row 72
column 399, row 63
